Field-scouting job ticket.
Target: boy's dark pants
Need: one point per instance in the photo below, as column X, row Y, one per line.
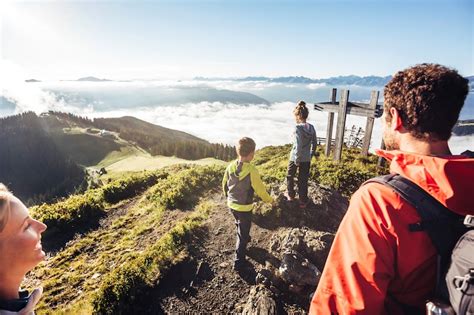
column 243, row 221
column 303, row 176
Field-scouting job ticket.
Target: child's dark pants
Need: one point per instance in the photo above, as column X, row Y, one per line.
column 243, row 221
column 303, row 176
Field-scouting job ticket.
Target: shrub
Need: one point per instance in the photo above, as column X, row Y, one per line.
column 121, row 288
column 70, row 213
column 183, row 188
column 78, row 211
column 130, row 186
column 345, row 176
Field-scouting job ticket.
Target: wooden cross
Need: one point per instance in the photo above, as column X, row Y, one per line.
column 344, row 108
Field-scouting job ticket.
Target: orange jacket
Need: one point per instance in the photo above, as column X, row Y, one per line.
column 374, row 256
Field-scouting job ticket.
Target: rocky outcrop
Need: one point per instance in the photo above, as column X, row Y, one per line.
column 260, row 302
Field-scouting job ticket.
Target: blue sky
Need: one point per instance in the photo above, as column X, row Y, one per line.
column 160, row 39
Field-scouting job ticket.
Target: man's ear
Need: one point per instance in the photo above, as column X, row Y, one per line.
column 396, row 121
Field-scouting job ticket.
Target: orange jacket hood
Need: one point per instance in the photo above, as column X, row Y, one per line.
column 449, row 179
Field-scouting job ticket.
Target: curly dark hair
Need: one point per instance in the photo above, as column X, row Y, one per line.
column 429, row 98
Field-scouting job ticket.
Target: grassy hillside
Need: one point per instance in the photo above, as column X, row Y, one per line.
column 146, row 162
column 151, row 138
column 43, row 157
column 344, row 177
column 109, row 266
column 32, row 164
column 128, row 124
column 131, row 232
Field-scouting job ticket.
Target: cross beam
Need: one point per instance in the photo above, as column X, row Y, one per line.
column 343, row 108
column 353, row 108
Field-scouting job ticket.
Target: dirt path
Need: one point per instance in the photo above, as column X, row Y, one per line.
column 207, row 283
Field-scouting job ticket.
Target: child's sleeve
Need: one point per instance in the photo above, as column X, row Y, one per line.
column 225, row 189
column 258, row 186
column 299, row 143
column 314, row 142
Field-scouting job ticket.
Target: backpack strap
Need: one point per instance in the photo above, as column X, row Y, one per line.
column 443, row 226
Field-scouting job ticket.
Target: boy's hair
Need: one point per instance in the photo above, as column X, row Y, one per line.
column 245, row 146
column 429, row 98
column 301, row 111
column 5, row 198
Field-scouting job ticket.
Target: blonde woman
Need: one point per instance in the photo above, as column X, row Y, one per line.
column 20, row 251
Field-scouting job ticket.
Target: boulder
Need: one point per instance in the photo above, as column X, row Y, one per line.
column 260, row 302
column 298, row 271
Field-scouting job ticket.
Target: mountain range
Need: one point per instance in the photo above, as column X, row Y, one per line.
column 370, row 80
column 339, row 80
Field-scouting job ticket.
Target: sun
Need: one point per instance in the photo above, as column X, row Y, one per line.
column 5, row 7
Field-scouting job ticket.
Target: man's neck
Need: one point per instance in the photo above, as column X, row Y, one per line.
column 434, row 148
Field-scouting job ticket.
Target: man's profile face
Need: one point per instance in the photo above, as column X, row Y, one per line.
column 389, row 138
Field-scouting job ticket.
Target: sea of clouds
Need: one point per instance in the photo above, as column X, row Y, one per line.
column 165, row 103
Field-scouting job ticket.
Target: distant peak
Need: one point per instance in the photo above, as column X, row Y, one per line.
column 93, row 79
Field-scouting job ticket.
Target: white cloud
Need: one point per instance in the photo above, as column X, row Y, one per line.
column 460, row 144
column 27, row 96
column 214, row 121
column 226, row 123
column 314, row 86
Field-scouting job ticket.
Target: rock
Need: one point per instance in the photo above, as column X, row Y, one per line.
column 271, row 281
column 294, row 241
column 295, row 289
column 275, row 243
column 297, row 270
column 224, row 264
column 313, row 242
column 96, row 275
column 238, row 309
column 260, row 302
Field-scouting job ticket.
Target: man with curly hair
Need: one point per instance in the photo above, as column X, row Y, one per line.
column 376, row 265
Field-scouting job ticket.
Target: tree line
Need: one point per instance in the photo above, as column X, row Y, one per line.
column 31, row 165
column 155, row 139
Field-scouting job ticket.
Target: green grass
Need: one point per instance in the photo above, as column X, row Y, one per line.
column 120, row 289
column 108, row 269
column 79, row 210
column 96, row 271
column 345, row 176
column 88, row 148
column 144, row 161
column 83, row 148
column 125, row 151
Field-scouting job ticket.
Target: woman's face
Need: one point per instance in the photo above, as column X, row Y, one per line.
column 20, row 240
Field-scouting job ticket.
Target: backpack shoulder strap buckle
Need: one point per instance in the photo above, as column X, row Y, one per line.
column 469, row 221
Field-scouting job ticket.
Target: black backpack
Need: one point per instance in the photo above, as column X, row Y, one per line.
column 453, row 237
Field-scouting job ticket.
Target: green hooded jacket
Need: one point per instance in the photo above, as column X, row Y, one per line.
column 241, row 180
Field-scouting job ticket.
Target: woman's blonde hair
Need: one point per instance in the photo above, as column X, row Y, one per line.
column 301, row 111
column 5, row 198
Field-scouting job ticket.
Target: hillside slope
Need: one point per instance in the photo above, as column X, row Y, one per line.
column 44, row 157
column 32, row 164
column 163, row 241
column 129, row 131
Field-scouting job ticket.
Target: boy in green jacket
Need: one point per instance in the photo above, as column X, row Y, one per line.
column 241, row 180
